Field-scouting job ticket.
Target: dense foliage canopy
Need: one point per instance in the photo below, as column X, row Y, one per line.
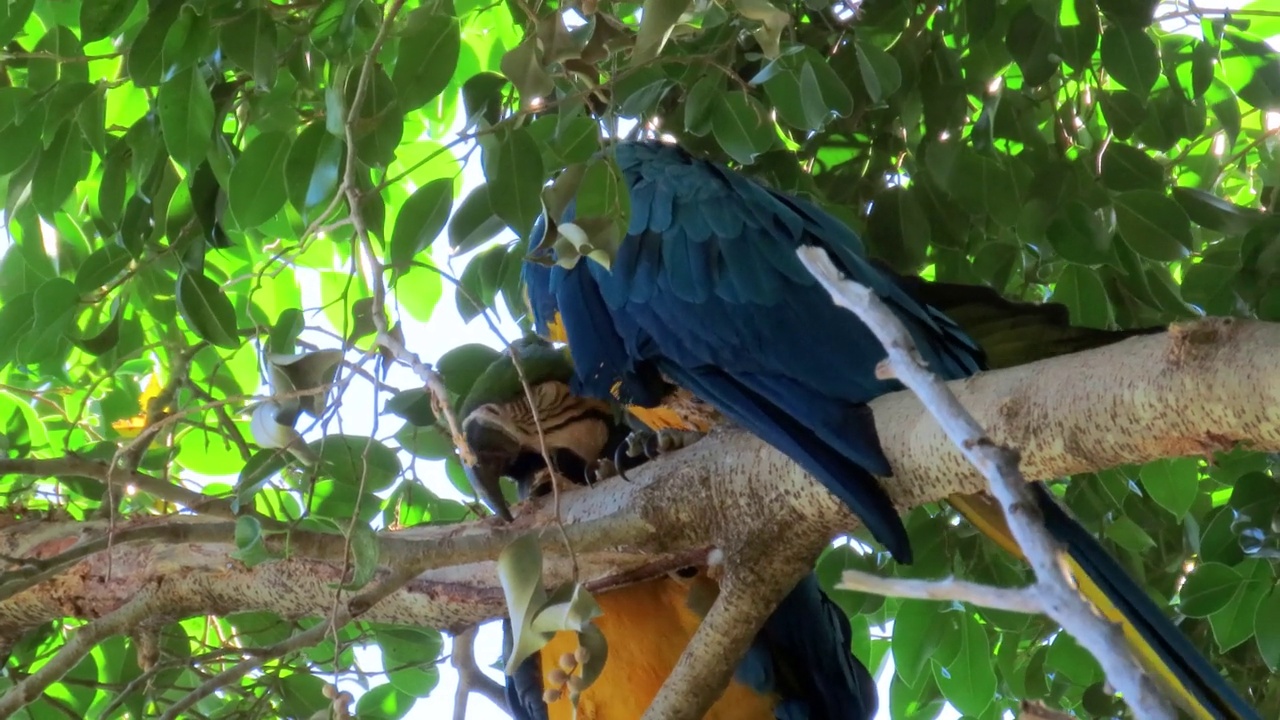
column 210, row 202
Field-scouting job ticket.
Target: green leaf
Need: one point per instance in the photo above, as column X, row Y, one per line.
column 918, row 631
column 969, row 681
column 1234, row 623
column 428, row 56
column 58, row 60
column 1172, row 483
column 520, row 573
column 463, row 365
column 13, row 16
column 92, row 117
column 524, row 67
column 61, row 167
column 657, row 19
column 184, row 44
column 1153, row 225
column 474, row 222
column 421, row 219
column 880, row 72
column 17, row 318
column 256, row 190
column 1131, row 57
column 143, row 61
column 249, row 40
column 1124, row 112
column 257, row 470
column 207, row 310
column 479, row 282
column 250, row 547
column 413, row 406
column 1209, row 588
column 106, row 337
column 1081, row 290
column 379, row 126
column 363, row 542
column 186, row 116
column 20, row 140
column 698, row 104
column 1267, row 630
column 357, row 462
column 428, row 443
column 102, row 18
column 1080, row 235
column 515, row 175
column 1073, row 660
column 54, row 305
column 1210, row 211
column 1129, row 535
column 101, row 267
column 407, row 646
column 313, row 169
column 1125, row 167
column 384, row 702
column 742, row 127
column 1033, row 43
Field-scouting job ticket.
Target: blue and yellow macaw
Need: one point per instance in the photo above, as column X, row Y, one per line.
column 799, row 666
column 706, row 297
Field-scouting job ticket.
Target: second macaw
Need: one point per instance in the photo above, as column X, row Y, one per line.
column 707, row 302
column 799, row 667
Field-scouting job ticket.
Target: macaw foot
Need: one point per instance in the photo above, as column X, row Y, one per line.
column 649, row 444
column 604, row 469
column 652, row 443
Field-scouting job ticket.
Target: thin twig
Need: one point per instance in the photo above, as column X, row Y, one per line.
column 999, row 465
column 1021, row 600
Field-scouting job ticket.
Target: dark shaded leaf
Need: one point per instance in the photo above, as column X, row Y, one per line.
column 61, row 166
column 256, row 190
column 428, row 56
column 1153, row 225
column 101, row 267
column 515, row 175
column 313, row 168
column 1125, row 167
column 207, row 310
column 1130, row 55
column 741, row 125
column 421, row 219
column 474, row 222
column 186, row 116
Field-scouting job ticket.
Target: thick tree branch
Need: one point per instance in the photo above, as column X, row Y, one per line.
column 1200, row 387
column 999, row 464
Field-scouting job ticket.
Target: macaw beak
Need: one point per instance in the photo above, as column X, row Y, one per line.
column 486, row 482
column 494, row 450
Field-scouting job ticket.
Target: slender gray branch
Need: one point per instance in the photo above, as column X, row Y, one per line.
column 999, row 465
column 471, row 679
column 1021, row 600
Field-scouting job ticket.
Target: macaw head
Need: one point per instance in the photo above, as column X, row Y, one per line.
column 513, row 428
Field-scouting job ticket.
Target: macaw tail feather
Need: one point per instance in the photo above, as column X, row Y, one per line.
column 1010, row 332
column 1160, row 646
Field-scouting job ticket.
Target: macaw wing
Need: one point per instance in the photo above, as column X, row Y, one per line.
column 707, row 287
column 523, row 688
column 802, row 654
